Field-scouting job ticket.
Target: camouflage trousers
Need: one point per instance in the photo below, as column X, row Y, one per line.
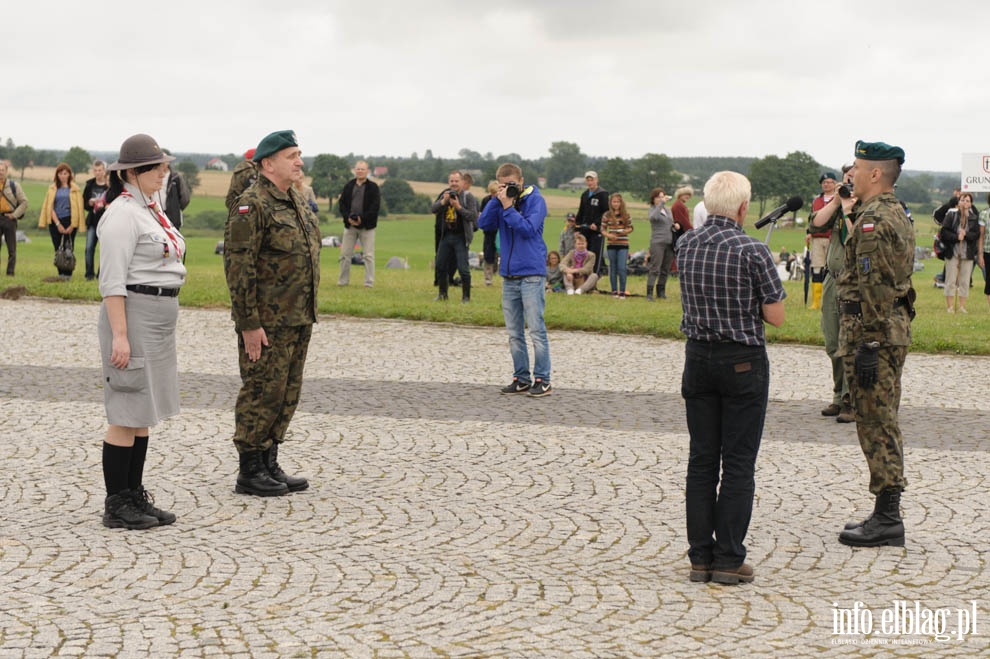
column 876, row 419
column 270, row 387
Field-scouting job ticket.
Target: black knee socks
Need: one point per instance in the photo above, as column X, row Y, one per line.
column 138, row 454
column 116, row 464
column 123, row 466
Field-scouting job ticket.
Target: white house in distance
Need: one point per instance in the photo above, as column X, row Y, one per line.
column 576, row 183
column 217, row 163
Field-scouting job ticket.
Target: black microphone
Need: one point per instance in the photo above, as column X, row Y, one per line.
column 792, row 205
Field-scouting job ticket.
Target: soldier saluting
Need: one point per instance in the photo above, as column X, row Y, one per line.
column 272, row 261
column 876, row 307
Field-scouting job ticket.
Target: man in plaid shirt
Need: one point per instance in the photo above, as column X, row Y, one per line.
column 729, row 288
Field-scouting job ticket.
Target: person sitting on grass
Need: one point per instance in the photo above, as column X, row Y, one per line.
column 579, row 267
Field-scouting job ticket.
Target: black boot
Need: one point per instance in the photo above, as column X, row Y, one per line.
column 442, row 294
column 146, row 504
column 883, row 527
column 254, row 478
column 855, row 525
column 465, row 289
column 661, row 292
column 294, row 483
column 121, row 512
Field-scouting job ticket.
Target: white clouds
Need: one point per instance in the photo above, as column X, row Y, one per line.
column 713, row 77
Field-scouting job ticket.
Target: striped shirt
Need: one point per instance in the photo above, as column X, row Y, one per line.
column 616, row 230
column 725, row 277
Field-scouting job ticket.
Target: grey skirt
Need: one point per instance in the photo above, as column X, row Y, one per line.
column 147, row 389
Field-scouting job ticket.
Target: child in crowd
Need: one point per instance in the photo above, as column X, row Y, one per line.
column 616, row 227
column 555, row 278
column 578, row 267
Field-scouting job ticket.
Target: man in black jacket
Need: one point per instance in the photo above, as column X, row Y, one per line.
column 594, row 203
column 456, row 214
column 359, row 204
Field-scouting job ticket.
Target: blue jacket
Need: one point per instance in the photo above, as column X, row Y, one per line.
column 520, row 233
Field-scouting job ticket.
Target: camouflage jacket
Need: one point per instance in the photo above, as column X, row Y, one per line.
column 271, row 256
column 244, row 176
column 879, row 262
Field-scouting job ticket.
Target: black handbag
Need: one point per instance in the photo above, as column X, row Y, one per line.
column 65, row 259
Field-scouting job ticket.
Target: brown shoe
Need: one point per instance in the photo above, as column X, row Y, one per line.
column 831, row 410
column 701, row 573
column 741, row 574
column 846, row 415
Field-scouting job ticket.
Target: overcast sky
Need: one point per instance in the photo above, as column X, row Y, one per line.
column 393, row 77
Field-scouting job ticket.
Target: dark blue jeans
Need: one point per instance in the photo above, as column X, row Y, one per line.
column 91, row 240
column 725, row 388
column 617, row 257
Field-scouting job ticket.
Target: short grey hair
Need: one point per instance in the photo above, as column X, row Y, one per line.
column 725, row 192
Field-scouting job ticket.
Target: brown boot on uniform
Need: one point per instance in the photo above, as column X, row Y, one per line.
column 832, row 410
column 846, row 415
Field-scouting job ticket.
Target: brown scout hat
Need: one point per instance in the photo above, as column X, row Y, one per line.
column 138, row 150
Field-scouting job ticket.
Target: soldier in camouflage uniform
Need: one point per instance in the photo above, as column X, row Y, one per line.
column 833, row 217
column 876, row 306
column 272, row 262
column 244, row 176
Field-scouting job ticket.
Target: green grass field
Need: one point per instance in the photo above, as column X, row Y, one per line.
column 409, row 293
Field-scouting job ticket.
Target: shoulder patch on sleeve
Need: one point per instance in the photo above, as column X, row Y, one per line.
column 241, row 210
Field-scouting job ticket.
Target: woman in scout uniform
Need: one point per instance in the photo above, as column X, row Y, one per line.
column 141, row 271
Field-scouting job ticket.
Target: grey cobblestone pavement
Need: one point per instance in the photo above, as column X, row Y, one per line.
column 446, row 520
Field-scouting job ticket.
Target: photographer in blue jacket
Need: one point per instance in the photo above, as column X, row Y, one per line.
column 518, row 213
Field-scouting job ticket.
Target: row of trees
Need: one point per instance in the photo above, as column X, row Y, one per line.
column 79, row 159
column 774, row 178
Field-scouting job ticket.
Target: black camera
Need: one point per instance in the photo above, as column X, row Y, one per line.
column 846, row 190
column 512, row 190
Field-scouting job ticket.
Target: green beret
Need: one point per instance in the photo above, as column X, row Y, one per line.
column 879, row 151
column 274, row 142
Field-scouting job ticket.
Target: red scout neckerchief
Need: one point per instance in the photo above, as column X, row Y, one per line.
column 164, row 221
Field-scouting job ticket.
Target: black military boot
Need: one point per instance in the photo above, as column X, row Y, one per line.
column 661, row 292
column 855, row 525
column 883, row 527
column 146, row 504
column 121, row 512
column 465, row 289
column 254, row 478
column 294, row 483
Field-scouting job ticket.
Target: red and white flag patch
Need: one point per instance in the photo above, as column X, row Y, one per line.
column 241, row 210
column 867, row 227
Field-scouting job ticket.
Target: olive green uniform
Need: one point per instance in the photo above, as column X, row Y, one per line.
column 873, row 293
column 272, row 262
column 244, row 176
column 835, row 259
